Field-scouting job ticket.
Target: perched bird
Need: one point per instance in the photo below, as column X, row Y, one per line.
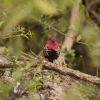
column 51, row 50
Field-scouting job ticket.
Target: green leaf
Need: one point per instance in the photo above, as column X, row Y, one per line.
column 78, row 38
column 87, row 14
column 1, row 23
column 39, row 67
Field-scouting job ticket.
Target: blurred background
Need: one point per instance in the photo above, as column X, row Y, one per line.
column 25, row 26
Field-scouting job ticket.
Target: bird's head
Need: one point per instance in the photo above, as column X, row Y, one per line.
column 52, row 43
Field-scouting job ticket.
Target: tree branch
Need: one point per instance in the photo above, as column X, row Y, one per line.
column 54, row 67
column 73, row 29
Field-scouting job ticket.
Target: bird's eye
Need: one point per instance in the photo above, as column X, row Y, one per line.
column 53, row 40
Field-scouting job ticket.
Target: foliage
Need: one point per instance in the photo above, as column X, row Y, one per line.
column 5, row 88
column 25, row 25
column 82, row 91
column 70, row 58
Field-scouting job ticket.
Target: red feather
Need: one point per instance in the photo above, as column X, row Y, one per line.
column 51, row 49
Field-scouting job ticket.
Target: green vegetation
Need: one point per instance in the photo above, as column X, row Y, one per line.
column 25, row 25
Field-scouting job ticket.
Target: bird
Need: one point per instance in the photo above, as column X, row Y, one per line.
column 51, row 49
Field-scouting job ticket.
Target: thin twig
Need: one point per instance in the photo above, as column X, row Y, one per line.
column 48, row 25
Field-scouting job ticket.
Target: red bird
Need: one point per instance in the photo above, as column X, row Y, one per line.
column 51, row 50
